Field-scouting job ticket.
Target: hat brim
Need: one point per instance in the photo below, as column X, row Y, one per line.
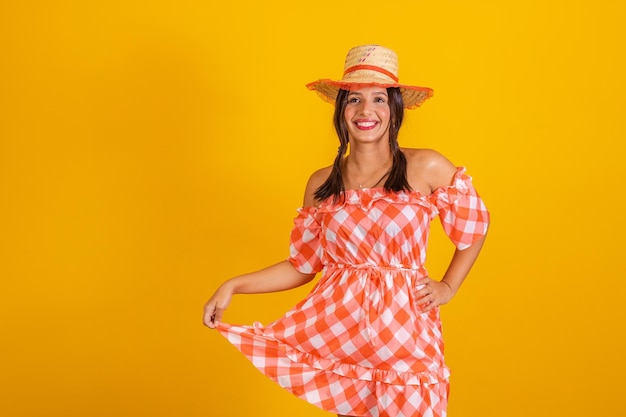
column 412, row 96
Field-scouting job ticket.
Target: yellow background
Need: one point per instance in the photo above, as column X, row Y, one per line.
column 151, row 149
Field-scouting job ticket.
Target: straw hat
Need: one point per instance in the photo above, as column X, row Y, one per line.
column 366, row 66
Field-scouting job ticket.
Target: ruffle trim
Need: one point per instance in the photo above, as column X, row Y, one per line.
column 364, row 198
column 353, row 371
column 345, row 370
column 461, row 186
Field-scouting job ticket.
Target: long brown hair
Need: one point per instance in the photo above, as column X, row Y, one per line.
column 396, row 181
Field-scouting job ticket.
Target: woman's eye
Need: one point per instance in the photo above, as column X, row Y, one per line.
column 353, row 100
column 379, row 100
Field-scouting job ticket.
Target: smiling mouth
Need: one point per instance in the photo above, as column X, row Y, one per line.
column 366, row 125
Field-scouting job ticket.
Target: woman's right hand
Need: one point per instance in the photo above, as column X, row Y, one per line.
column 214, row 308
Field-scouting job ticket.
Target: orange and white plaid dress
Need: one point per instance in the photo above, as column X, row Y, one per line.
column 358, row 344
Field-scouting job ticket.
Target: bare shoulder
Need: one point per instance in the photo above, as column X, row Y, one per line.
column 427, row 169
column 315, row 181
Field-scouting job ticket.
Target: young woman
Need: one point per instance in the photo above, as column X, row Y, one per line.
column 367, row 340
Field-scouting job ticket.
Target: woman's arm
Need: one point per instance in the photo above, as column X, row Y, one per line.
column 278, row 277
column 432, row 170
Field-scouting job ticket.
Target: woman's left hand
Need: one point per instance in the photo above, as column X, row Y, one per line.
column 431, row 293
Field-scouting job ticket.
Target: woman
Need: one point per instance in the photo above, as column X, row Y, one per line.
column 367, row 340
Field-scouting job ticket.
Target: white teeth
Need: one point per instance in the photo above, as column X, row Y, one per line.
column 366, row 124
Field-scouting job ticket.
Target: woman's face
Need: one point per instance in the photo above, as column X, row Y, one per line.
column 367, row 114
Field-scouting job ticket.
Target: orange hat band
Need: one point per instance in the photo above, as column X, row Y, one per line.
column 372, row 68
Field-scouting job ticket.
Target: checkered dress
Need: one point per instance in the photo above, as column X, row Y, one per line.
column 358, row 344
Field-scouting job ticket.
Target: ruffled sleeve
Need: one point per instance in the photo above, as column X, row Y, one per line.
column 462, row 212
column 305, row 249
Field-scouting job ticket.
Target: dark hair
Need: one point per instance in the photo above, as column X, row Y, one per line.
column 396, row 181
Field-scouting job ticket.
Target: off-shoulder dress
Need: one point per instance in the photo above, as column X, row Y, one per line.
column 358, row 344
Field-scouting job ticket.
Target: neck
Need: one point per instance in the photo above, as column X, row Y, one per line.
column 368, row 158
column 367, row 168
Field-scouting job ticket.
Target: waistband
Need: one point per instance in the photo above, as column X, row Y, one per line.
column 373, row 267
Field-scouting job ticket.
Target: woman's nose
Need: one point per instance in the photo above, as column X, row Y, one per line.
column 365, row 107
